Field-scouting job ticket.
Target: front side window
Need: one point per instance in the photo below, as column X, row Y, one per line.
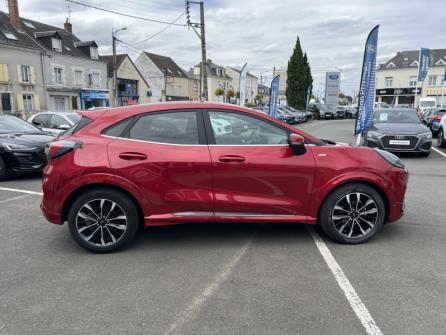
column 28, row 102
column 57, row 121
column 238, row 129
column 42, row 120
column 58, row 75
column 170, row 127
column 26, row 74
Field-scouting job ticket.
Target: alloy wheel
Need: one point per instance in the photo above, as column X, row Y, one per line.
column 101, row 222
column 355, row 215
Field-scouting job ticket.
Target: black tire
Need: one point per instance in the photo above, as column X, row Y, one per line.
column 338, row 196
column 440, row 139
column 4, row 173
column 123, row 203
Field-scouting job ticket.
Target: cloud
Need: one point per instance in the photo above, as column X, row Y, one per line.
column 260, row 32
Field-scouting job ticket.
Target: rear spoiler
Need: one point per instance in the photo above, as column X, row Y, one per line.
column 93, row 114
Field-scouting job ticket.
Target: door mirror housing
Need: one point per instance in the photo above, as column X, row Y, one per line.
column 37, row 124
column 64, row 127
column 297, row 143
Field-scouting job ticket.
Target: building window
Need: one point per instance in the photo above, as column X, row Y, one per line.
column 56, row 44
column 78, row 74
column 389, row 81
column 127, row 88
column 28, row 103
column 94, row 53
column 413, row 81
column 59, row 104
column 58, row 72
column 94, row 79
column 26, row 74
column 432, row 81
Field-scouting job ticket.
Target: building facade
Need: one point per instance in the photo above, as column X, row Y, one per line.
column 282, row 83
column 167, row 81
column 264, row 93
column 132, row 88
column 396, row 80
column 252, row 83
column 47, row 68
column 218, row 78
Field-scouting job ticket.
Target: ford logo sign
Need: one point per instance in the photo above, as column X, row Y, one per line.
column 333, row 76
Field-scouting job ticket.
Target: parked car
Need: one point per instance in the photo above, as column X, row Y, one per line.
column 426, row 103
column 163, row 164
column 324, row 112
column 340, row 112
column 432, row 118
column 382, row 105
column 351, row 111
column 399, row 130
column 441, row 136
column 54, row 122
column 300, row 116
column 22, row 147
column 285, row 115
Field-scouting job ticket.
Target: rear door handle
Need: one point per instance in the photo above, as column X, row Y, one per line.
column 231, row 158
column 132, row 156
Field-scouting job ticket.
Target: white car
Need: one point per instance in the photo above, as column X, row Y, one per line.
column 54, row 122
column 441, row 136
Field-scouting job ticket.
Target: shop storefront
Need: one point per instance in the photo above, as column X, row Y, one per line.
column 397, row 96
column 94, row 98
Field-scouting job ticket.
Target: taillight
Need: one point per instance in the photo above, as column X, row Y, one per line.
column 436, row 117
column 57, row 149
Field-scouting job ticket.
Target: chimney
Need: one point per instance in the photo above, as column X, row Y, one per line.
column 68, row 26
column 14, row 13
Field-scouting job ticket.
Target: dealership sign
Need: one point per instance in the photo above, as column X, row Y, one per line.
column 332, row 88
column 398, row 91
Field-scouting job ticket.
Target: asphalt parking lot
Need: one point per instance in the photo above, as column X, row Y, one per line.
column 229, row 279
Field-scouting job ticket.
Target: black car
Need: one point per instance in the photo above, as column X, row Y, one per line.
column 399, row 130
column 22, row 146
column 432, row 118
column 322, row 111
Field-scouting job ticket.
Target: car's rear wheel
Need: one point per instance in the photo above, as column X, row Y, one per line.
column 103, row 220
column 440, row 139
column 352, row 214
column 4, row 173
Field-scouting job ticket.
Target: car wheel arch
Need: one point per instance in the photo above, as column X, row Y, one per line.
column 88, row 187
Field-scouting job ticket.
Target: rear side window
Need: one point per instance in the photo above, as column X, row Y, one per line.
column 117, row 129
column 78, row 126
column 169, row 127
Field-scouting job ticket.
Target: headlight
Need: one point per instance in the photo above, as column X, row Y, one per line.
column 18, row 147
column 390, row 158
column 373, row 134
column 427, row 135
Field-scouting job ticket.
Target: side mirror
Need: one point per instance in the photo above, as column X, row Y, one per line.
column 64, row 127
column 38, row 124
column 297, row 143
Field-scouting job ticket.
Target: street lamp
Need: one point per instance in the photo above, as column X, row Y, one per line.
column 115, row 81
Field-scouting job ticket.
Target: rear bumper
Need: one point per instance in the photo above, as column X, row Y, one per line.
column 396, row 193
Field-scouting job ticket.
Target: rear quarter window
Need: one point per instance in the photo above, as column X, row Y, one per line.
column 84, row 121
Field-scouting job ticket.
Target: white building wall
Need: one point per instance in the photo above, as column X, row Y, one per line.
column 153, row 76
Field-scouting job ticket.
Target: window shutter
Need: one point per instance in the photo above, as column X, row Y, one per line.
column 19, row 74
column 5, row 72
column 36, row 102
column 20, row 102
column 2, row 72
column 32, row 74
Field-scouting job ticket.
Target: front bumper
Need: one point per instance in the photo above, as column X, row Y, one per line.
column 26, row 161
column 416, row 143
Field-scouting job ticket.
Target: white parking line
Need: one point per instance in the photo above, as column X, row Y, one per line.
column 439, row 152
column 20, row 191
column 355, row 302
column 196, row 305
column 14, row 198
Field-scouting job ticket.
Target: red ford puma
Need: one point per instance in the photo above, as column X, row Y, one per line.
column 170, row 163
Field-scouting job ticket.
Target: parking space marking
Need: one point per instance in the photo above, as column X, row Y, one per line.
column 14, row 198
column 194, row 308
column 357, row 305
column 20, row 191
column 439, row 152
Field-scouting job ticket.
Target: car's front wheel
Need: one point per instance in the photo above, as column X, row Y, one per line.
column 352, row 214
column 103, row 220
column 440, row 139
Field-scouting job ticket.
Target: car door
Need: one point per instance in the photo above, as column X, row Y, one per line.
column 166, row 155
column 255, row 171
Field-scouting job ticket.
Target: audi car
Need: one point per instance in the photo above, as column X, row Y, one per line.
column 125, row 168
column 399, row 130
column 22, row 147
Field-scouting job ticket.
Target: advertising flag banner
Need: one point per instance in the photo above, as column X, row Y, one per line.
column 424, row 64
column 444, row 79
column 242, row 85
column 364, row 118
column 274, row 96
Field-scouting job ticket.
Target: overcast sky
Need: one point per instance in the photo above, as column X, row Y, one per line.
column 260, row 32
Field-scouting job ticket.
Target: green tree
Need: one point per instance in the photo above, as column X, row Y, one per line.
column 229, row 95
column 299, row 78
column 219, row 92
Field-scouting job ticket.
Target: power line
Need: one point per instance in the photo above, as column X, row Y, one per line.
column 159, row 32
column 123, row 14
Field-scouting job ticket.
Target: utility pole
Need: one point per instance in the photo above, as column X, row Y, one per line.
column 115, row 68
column 202, row 36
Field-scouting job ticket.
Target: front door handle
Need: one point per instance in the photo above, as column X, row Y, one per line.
column 231, row 158
column 132, row 156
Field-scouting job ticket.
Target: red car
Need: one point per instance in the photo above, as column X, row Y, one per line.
column 148, row 165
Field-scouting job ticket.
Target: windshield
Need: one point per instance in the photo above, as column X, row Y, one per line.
column 440, row 112
column 427, row 103
column 11, row 124
column 75, row 118
column 404, row 116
